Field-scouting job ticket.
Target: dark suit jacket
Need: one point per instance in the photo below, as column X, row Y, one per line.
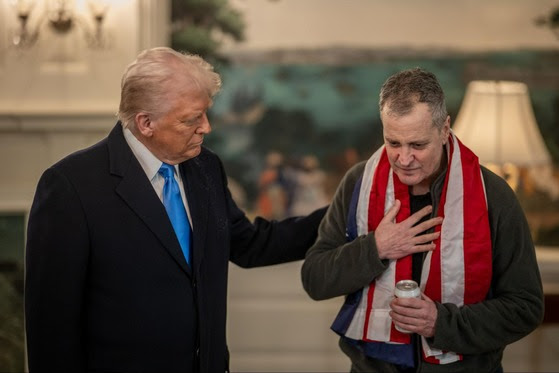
column 107, row 287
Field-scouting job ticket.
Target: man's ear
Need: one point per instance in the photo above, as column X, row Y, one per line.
column 446, row 129
column 144, row 124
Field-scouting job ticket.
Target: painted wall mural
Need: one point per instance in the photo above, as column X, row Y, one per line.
column 288, row 131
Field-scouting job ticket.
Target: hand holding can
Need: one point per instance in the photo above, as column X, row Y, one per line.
column 406, row 289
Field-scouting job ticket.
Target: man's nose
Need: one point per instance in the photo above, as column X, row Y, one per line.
column 206, row 127
column 406, row 157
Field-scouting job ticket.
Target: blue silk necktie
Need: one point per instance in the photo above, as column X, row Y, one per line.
column 175, row 208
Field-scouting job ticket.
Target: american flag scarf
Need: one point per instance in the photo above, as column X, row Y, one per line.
column 458, row 271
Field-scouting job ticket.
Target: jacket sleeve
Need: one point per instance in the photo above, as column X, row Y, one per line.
column 334, row 267
column 514, row 306
column 56, row 265
column 264, row 242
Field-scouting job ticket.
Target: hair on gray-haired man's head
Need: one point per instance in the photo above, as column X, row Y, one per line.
column 403, row 90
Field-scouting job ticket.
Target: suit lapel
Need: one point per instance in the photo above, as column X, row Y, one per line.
column 138, row 193
column 197, row 195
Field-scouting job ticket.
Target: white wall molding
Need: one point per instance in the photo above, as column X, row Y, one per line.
column 47, row 122
column 155, row 19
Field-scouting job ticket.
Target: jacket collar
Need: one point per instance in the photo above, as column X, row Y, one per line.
column 138, row 193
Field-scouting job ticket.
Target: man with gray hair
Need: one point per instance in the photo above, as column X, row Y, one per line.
column 129, row 240
column 422, row 212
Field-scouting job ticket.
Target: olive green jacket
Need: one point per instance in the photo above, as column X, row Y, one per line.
column 334, row 267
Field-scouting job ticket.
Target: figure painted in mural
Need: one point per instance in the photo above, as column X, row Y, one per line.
column 422, row 208
column 308, row 181
column 272, row 192
column 116, row 283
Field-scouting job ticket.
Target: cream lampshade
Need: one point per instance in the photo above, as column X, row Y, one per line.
column 496, row 121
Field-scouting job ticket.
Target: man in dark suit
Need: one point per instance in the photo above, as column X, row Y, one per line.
column 113, row 282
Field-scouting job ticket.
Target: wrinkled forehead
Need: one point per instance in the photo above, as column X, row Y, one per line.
column 417, row 120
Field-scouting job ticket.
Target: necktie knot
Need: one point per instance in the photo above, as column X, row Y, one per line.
column 166, row 170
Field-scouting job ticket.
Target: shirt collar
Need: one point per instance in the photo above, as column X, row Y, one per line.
column 148, row 161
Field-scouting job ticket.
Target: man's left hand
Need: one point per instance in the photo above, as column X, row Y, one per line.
column 415, row 315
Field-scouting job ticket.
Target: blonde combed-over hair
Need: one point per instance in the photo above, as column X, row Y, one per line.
column 149, row 83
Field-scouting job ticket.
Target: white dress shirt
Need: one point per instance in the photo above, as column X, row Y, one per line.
column 151, row 166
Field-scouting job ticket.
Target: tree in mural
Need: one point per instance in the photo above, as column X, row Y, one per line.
column 201, row 26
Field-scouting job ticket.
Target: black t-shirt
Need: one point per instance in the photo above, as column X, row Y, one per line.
column 416, row 204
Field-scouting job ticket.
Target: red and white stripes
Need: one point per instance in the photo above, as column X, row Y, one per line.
column 458, row 271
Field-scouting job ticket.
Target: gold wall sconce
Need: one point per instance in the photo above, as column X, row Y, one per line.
column 61, row 17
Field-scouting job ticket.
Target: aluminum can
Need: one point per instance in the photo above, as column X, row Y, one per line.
column 406, row 289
